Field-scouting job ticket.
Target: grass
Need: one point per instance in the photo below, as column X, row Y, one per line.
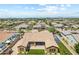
column 63, row 50
column 36, row 52
column 21, row 53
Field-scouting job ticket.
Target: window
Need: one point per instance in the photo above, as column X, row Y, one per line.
column 40, row 43
column 21, row 49
column 52, row 50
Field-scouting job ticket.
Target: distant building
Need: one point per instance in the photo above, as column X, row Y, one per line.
column 23, row 26
column 58, row 25
column 71, row 40
column 75, row 26
column 41, row 25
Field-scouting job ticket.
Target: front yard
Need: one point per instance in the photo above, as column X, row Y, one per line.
column 36, row 52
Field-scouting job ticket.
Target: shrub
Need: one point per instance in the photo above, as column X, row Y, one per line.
column 77, row 48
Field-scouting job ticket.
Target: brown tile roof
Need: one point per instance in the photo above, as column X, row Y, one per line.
column 43, row 36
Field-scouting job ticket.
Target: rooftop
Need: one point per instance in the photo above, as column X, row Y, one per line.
column 4, row 35
column 43, row 36
column 66, row 32
column 21, row 25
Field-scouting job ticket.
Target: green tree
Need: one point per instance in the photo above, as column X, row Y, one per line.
column 21, row 31
column 30, row 27
column 51, row 29
column 77, row 48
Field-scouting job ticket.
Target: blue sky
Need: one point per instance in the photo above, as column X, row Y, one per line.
column 39, row 10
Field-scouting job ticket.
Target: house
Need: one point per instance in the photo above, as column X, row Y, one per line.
column 40, row 40
column 76, row 35
column 58, row 25
column 71, row 40
column 23, row 26
column 41, row 25
column 7, row 40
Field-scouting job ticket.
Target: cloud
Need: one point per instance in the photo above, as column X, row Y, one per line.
column 26, row 8
column 17, row 6
column 53, row 13
column 45, row 10
column 68, row 5
column 62, row 5
column 28, row 14
column 32, row 8
column 63, row 8
column 48, row 8
column 65, row 5
column 4, row 10
column 40, row 9
column 29, row 8
column 51, row 8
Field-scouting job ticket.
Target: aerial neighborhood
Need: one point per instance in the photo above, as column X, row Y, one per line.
column 39, row 36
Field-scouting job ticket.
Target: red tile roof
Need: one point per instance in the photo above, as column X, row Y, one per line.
column 4, row 35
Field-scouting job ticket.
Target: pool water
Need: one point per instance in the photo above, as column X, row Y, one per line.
column 57, row 38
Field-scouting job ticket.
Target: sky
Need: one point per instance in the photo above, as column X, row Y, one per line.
column 38, row 10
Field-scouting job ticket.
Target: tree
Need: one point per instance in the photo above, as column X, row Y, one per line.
column 30, row 27
column 51, row 29
column 21, row 31
column 77, row 48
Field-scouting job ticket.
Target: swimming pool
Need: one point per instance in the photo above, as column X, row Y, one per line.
column 2, row 46
column 57, row 38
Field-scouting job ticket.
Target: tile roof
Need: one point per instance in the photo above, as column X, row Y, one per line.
column 43, row 36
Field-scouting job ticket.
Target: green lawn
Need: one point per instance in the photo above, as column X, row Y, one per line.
column 63, row 50
column 36, row 52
